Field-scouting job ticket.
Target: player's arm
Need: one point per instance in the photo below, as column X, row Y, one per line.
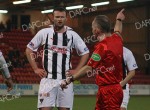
column 5, row 71
column 83, row 61
column 33, row 46
column 9, row 84
column 128, row 78
column 118, row 26
column 131, row 64
column 6, row 74
column 82, row 51
column 29, row 54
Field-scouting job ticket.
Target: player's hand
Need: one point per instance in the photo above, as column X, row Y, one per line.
column 69, row 73
column 40, row 72
column 63, row 84
column 9, row 84
column 120, row 15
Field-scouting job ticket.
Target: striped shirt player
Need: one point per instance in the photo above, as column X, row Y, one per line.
column 0, row 53
column 129, row 64
column 5, row 72
column 4, row 66
column 56, row 61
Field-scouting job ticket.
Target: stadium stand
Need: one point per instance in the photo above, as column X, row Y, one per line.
column 26, row 75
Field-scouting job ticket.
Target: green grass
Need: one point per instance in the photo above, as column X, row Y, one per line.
column 80, row 103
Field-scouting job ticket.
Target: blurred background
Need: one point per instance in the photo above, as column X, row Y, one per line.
column 20, row 20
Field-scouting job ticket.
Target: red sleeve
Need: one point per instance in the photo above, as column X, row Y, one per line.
column 97, row 56
column 117, row 35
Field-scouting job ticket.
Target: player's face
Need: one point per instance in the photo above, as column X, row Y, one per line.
column 59, row 18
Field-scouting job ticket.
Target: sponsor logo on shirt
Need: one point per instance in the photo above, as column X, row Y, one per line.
column 56, row 49
column 96, row 57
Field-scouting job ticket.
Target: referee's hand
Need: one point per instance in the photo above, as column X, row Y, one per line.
column 40, row 72
column 120, row 15
column 65, row 82
column 9, row 84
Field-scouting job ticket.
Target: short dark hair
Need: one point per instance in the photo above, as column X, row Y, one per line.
column 103, row 23
column 61, row 9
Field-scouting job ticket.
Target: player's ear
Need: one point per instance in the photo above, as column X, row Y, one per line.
column 98, row 31
column 51, row 18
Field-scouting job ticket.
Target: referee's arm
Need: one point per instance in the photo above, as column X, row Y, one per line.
column 118, row 26
column 83, row 61
column 82, row 72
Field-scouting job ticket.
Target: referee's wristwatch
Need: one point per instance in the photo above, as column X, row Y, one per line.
column 71, row 78
column 119, row 19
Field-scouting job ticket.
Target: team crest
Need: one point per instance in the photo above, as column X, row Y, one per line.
column 68, row 40
column 41, row 100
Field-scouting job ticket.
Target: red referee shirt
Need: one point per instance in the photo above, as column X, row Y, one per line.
column 107, row 60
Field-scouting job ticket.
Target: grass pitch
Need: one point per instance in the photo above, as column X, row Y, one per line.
column 80, row 103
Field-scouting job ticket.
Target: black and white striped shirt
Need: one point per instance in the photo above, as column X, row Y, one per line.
column 57, row 50
column 129, row 63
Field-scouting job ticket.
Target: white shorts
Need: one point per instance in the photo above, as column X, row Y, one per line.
column 51, row 95
column 126, row 97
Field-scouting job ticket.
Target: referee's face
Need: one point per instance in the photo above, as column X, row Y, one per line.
column 60, row 18
column 95, row 30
